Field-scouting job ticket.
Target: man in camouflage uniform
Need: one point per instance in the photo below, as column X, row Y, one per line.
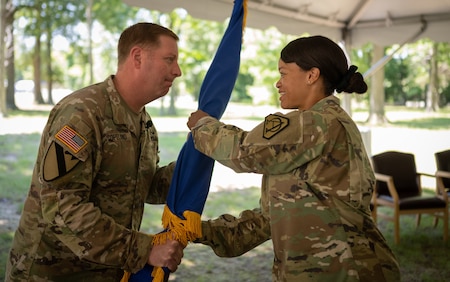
column 317, row 179
column 96, row 167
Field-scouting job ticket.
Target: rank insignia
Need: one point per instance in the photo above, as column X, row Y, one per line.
column 273, row 124
column 71, row 139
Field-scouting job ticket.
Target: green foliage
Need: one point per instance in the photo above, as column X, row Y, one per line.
column 240, row 93
column 434, row 123
column 43, row 21
column 197, row 53
column 421, row 252
column 29, row 113
column 444, row 97
column 17, row 156
column 406, row 76
column 113, row 15
column 396, row 73
column 170, row 145
column 362, row 58
column 264, row 62
column 5, row 243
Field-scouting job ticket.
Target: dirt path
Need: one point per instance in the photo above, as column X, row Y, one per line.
column 9, row 215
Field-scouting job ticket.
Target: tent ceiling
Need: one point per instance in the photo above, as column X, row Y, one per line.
column 384, row 22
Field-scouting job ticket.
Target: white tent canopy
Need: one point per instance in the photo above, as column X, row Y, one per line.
column 383, row 22
column 351, row 22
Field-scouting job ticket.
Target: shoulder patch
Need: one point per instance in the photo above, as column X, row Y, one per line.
column 273, row 124
column 74, row 141
column 57, row 162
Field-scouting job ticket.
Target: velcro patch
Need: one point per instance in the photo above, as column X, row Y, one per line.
column 71, row 139
column 57, row 162
column 273, row 124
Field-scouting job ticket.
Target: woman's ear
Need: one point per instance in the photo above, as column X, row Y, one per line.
column 313, row 75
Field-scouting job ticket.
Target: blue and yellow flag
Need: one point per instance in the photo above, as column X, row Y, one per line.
column 192, row 176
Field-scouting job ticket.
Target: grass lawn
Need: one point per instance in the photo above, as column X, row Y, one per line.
column 422, row 254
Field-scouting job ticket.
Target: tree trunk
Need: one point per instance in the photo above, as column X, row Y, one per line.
column 49, row 67
column 376, row 114
column 161, row 108
column 90, row 27
column 173, row 96
column 37, row 71
column 3, row 111
column 346, row 101
column 9, row 56
column 432, row 95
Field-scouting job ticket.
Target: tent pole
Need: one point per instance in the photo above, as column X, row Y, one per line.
column 383, row 61
column 346, row 99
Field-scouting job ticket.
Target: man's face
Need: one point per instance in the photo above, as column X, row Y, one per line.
column 159, row 68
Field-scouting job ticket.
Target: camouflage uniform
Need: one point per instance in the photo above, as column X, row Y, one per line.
column 316, row 188
column 97, row 164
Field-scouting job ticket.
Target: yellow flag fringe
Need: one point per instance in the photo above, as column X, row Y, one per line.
column 244, row 19
column 158, row 274
column 125, row 277
column 183, row 230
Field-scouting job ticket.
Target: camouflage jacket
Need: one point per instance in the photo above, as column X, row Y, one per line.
column 97, row 165
column 316, row 189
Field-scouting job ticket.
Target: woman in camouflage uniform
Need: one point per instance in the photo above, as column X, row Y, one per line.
column 317, row 179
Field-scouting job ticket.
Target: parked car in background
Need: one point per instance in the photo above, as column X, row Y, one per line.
column 24, row 85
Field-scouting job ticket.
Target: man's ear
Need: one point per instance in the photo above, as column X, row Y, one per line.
column 135, row 55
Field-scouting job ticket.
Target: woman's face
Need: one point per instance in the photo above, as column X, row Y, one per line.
column 292, row 85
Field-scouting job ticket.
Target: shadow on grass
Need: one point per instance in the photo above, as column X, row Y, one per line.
column 29, row 113
column 5, row 243
column 425, row 123
column 422, row 254
column 200, row 264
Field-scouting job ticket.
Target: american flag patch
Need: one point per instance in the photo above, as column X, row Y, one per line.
column 71, row 138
